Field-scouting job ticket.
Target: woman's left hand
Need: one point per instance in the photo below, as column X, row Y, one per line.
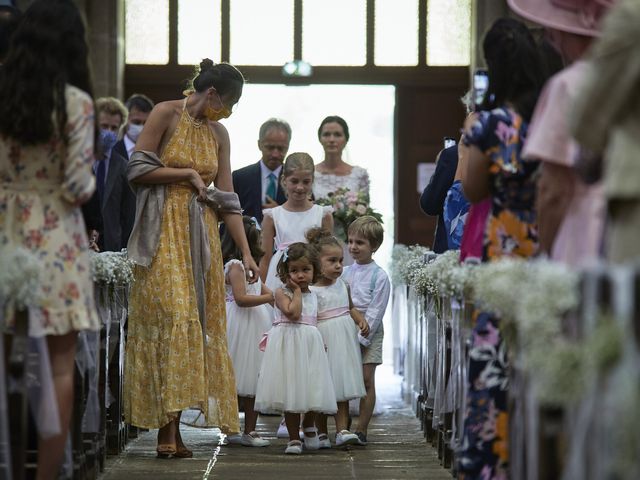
column 250, row 266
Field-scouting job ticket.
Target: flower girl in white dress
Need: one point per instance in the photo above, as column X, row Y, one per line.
column 248, row 317
column 295, row 377
column 339, row 323
column 289, row 222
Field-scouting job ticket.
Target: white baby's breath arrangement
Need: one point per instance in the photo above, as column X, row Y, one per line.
column 112, row 268
column 550, row 291
column 450, row 274
column 497, row 286
column 404, row 260
column 421, row 277
column 19, row 277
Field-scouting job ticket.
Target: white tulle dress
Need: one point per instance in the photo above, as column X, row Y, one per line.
column 245, row 327
column 340, row 335
column 290, row 227
column 295, row 373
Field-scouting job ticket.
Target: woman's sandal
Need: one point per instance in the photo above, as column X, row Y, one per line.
column 181, row 450
column 166, row 450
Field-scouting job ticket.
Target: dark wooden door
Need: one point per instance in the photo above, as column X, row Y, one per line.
column 424, row 116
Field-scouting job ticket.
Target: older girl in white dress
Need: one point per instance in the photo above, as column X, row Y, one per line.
column 289, row 222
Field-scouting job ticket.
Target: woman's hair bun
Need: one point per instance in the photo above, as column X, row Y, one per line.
column 206, row 64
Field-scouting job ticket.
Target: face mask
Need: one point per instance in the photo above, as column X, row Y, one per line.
column 107, row 140
column 215, row 115
column 133, row 131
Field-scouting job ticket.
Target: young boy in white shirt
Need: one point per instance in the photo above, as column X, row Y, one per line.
column 370, row 288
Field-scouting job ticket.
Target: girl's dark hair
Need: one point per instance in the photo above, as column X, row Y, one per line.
column 319, row 237
column 294, row 252
column 224, row 77
column 516, row 70
column 334, row 119
column 48, row 50
column 230, row 250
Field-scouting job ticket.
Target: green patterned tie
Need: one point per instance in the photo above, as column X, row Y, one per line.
column 271, row 187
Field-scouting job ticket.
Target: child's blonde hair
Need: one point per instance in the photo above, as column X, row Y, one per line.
column 297, row 161
column 369, row 228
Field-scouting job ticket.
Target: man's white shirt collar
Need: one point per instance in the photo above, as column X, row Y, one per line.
column 265, row 170
column 129, row 145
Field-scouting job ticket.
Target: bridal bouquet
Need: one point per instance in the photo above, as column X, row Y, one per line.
column 347, row 206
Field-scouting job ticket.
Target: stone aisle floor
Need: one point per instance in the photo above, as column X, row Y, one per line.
column 396, row 450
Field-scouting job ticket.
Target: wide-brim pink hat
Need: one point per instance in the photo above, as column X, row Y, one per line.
column 581, row 17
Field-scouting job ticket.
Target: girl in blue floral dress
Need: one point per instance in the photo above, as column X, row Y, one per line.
column 495, row 169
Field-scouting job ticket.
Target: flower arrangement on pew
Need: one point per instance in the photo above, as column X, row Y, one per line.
column 443, row 276
column 404, row 260
column 19, row 277
column 112, row 268
column 347, row 206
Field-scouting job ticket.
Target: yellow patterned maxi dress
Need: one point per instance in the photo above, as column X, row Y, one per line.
column 167, row 366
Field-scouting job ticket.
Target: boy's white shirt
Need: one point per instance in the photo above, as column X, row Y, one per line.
column 371, row 302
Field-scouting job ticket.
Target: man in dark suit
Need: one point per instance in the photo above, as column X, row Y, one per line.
column 258, row 185
column 435, row 193
column 116, row 199
column 139, row 107
column 118, row 205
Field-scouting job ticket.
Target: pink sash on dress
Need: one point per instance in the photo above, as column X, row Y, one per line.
column 310, row 320
column 333, row 313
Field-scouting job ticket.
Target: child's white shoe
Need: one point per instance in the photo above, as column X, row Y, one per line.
column 324, row 441
column 282, row 430
column 254, row 440
column 345, row 437
column 294, row 447
column 311, row 442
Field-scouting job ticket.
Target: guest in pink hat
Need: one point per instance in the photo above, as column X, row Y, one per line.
column 606, row 120
column 570, row 212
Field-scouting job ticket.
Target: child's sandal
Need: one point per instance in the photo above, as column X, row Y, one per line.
column 313, row 442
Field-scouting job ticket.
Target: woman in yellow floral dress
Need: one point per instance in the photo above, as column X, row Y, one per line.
column 170, row 364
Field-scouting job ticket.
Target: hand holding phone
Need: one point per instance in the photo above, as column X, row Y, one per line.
column 480, row 88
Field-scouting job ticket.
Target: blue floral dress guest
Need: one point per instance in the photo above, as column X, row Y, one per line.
column 455, row 211
column 497, row 171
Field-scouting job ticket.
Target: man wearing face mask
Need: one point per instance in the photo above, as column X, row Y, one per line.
column 139, row 107
column 116, row 199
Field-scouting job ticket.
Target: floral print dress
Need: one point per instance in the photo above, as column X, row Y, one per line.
column 170, row 367
column 39, row 188
column 510, row 231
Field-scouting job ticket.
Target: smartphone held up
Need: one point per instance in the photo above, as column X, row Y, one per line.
column 480, row 88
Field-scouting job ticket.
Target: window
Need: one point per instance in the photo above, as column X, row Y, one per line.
column 449, row 32
column 396, row 32
column 334, row 32
column 147, row 32
column 198, row 31
column 261, row 32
